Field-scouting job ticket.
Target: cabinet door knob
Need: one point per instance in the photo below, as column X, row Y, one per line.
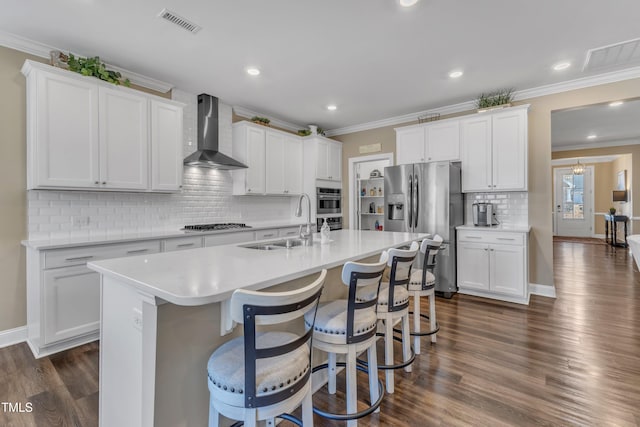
column 248, row 190
column 104, row 182
column 97, row 182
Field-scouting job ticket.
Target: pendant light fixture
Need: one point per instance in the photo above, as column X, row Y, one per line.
column 578, row 168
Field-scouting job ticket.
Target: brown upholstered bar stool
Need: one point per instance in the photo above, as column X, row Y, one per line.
column 423, row 284
column 348, row 326
column 265, row 375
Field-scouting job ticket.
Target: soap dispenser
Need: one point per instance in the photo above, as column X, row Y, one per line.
column 325, row 232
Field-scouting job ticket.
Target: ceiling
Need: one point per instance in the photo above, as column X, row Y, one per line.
column 371, row 58
column 570, row 128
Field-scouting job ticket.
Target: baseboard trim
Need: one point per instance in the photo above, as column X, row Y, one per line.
column 542, row 290
column 599, row 236
column 13, row 336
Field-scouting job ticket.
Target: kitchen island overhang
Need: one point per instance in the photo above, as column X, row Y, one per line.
column 161, row 317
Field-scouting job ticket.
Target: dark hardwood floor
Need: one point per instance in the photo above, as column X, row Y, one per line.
column 573, row 360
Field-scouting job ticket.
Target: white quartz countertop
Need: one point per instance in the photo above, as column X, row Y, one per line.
column 511, row 228
column 132, row 237
column 207, row 275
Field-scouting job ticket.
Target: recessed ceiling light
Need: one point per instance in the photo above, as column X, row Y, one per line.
column 253, row 71
column 592, row 136
column 408, row 3
column 561, row 66
column 332, row 107
column 456, row 74
column 616, row 103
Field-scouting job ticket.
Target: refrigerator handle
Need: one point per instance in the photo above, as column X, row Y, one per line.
column 410, row 210
column 416, row 201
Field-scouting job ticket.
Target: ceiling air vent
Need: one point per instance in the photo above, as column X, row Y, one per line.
column 179, row 21
column 619, row 55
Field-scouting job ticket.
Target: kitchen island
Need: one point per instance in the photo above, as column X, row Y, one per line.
column 162, row 316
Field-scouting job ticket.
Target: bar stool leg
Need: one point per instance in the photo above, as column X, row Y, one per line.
column 352, row 384
column 388, row 353
column 214, row 416
column 250, row 417
column 307, row 409
column 432, row 314
column 332, row 373
column 374, row 392
column 406, row 341
column 416, row 324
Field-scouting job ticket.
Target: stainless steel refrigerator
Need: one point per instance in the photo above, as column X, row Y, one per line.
column 427, row 198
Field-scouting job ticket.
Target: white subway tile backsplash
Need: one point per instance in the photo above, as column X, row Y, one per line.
column 206, row 197
column 511, row 208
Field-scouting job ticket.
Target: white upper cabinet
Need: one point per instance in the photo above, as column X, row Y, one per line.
column 124, row 140
column 83, row 133
column 63, row 119
column 443, row 141
column 166, row 146
column 494, row 151
column 249, row 147
column 428, row 142
column 292, row 165
column 328, row 158
column 274, row 160
column 410, row 145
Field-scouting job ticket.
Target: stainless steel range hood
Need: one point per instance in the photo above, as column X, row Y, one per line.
column 207, row 154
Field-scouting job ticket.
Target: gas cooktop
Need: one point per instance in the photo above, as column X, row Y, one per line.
column 211, row 227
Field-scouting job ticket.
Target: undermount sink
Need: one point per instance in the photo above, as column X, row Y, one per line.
column 278, row 244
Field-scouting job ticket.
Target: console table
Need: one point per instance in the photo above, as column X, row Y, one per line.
column 614, row 219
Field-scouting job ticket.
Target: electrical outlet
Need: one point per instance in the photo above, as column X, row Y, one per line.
column 137, row 319
column 80, row 221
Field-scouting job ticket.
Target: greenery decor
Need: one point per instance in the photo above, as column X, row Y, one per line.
column 96, row 68
column 494, row 99
column 612, row 210
column 260, row 120
column 321, row 131
column 304, row 132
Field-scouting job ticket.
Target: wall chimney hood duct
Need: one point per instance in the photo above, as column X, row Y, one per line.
column 207, row 154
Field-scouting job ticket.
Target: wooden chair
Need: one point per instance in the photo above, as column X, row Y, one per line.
column 262, row 375
column 423, row 284
column 348, row 326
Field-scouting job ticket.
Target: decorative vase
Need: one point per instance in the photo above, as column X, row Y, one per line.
column 493, row 107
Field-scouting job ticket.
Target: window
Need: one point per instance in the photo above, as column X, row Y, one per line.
column 572, row 196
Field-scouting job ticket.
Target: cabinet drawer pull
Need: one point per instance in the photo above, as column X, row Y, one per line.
column 505, row 238
column 474, row 237
column 184, row 245
column 79, row 258
column 268, row 235
column 137, row 251
column 64, row 276
column 291, row 233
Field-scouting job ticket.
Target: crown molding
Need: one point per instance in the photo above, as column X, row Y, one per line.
column 42, row 50
column 245, row 112
column 568, row 161
column 581, row 83
column 598, row 144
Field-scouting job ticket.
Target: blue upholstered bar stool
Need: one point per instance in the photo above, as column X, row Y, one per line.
column 423, row 284
column 393, row 306
column 348, row 326
column 263, row 375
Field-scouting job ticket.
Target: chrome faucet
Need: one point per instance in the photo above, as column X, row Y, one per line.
column 307, row 235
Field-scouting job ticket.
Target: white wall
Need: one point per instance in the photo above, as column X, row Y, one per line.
column 206, row 198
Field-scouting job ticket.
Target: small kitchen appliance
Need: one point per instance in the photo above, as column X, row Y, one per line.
column 213, row 227
column 483, row 214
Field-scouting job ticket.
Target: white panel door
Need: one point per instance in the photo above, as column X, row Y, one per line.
column 255, row 176
column 475, row 145
column 124, row 142
column 71, row 303
column 293, row 165
column 275, row 163
column 66, row 149
column 573, row 195
column 334, row 156
column 410, row 146
column 510, row 150
column 473, row 266
column 443, row 141
column 506, row 269
column 166, row 146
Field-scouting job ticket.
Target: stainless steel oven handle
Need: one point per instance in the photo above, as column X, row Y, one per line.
column 330, row 197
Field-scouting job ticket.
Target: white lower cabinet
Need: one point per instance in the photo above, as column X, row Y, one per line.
column 493, row 264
